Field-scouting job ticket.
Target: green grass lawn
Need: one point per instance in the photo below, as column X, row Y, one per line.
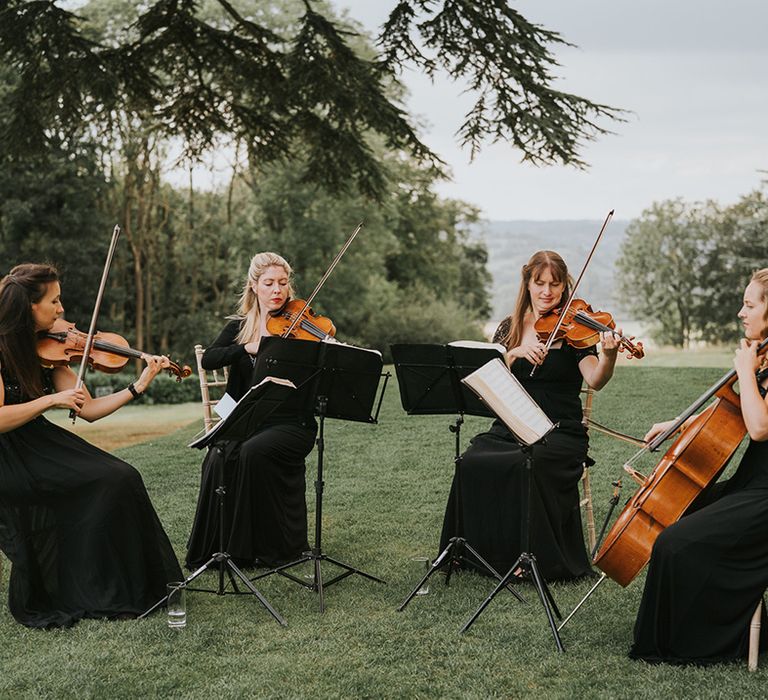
column 386, row 487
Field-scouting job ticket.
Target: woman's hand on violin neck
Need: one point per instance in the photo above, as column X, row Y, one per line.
column 72, row 399
column 610, row 342
column 658, row 429
column 155, row 365
column 533, row 352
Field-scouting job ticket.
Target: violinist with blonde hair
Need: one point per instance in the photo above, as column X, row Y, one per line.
column 264, row 475
column 491, row 470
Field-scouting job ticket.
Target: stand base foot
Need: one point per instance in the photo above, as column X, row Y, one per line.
column 225, row 564
column 316, row 583
column 528, row 568
column 451, row 558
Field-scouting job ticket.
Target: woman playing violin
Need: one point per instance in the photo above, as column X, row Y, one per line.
column 491, row 469
column 76, row 522
column 708, row 571
column 265, row 474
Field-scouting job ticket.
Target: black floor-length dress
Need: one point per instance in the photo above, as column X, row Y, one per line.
column 491, row 474
column 708, row 572
column 265, row 505
column 78, row 526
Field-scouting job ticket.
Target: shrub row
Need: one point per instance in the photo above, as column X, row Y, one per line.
column 164, row 389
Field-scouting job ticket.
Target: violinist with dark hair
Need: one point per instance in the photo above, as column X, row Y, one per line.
column 264, row 475
column 491, row 470
column 75, row 521
column 709, row 570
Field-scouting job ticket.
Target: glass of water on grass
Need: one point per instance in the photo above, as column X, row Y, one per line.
column 177, row 604
column 420, row 566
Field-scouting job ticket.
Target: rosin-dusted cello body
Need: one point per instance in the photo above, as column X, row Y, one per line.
column 694, row 460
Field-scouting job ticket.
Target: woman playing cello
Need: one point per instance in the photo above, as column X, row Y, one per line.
column 265, row 474
column 491, row 469
column 76, row 522
column 708, row 571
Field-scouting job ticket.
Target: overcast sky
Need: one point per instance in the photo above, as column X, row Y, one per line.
column 693, row 72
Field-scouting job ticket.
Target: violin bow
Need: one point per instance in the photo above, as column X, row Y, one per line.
column 95, row 315
column 323, row 279
column 572, row 295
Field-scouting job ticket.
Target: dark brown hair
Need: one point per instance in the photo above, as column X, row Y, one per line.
column 23, row 286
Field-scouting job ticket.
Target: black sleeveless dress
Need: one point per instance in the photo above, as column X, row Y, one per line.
column 708, row 572
column 78, row 526
column 491, row 475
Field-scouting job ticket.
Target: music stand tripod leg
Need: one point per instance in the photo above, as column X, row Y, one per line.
column 221, row 558
column 526, row 562
column 315, row 555
column 451, row 557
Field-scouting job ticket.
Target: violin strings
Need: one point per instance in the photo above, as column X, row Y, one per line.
column 117, row 349
column 306, row 324
column 99, row 345
column 590, row 322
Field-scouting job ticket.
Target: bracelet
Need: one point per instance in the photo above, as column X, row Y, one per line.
column 134, row 392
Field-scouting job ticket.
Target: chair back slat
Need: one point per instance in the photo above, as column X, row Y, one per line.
column 208, row 379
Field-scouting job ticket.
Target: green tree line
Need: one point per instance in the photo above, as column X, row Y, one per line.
column 683, row 267
column 92, row 103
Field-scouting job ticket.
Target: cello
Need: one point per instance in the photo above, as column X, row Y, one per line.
column 694, row 460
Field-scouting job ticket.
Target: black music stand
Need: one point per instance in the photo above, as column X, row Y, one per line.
column 244, row 420
column 333, row 381
column 526, row 565
column 430, row 377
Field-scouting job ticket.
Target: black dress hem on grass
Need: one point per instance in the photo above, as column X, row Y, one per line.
column 491, row 473
column 78, row 527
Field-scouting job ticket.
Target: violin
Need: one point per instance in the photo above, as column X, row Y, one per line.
column 110, row 352
column 581, row 328
column 297, row 320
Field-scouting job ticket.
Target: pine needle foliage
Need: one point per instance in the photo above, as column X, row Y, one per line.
column 200, row 79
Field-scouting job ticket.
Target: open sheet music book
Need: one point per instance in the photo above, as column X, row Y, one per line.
column 505, row 396
column 230, row 406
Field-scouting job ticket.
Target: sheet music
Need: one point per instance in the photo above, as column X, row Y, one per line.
column 225, row 405
column 206, row 438
column 479, row 344
column 503, row 393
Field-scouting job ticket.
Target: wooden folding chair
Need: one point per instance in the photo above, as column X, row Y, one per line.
column 208, row 379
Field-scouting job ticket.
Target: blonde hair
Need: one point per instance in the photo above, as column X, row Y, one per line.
column 540, row 261
column 248, row 309
column 761, row 277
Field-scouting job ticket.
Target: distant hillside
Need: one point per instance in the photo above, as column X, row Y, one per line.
column 511, row 243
